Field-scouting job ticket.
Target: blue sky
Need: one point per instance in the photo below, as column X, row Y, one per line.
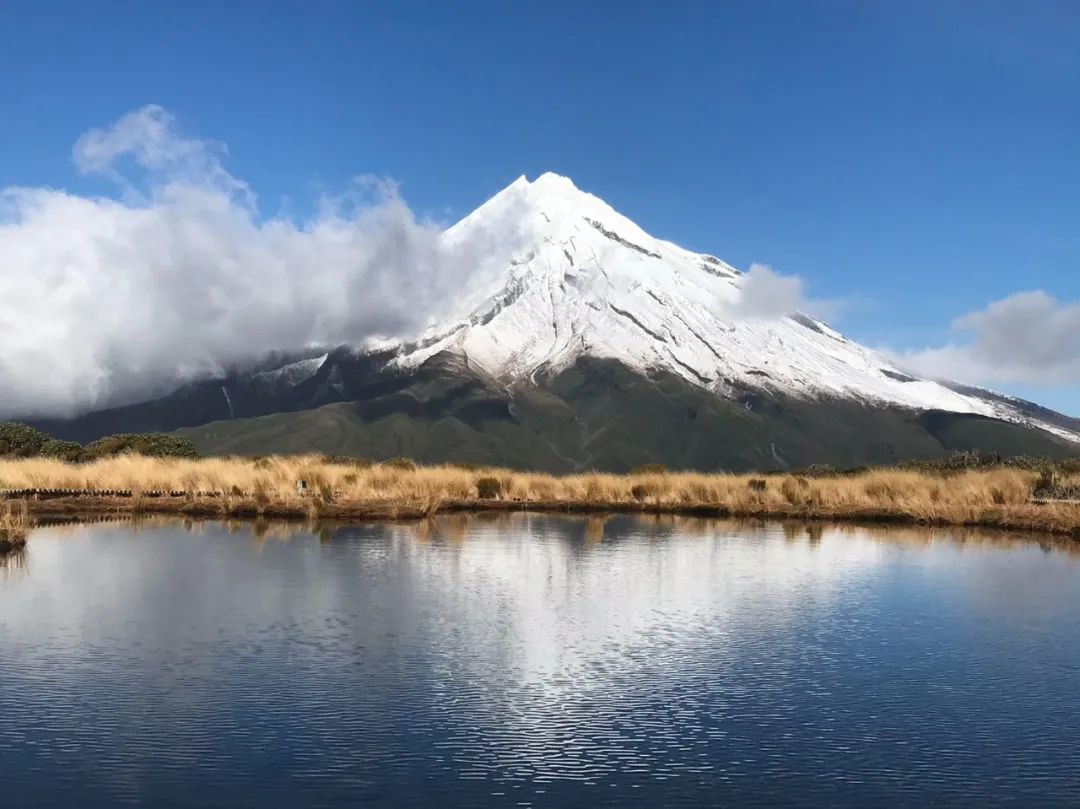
column 917, row 160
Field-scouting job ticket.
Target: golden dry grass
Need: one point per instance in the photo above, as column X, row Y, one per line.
column 1000, row 497
column 15, row 524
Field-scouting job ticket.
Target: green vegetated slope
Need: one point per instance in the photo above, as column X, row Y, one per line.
column 601, row 415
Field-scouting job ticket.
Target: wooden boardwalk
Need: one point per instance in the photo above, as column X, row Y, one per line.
column 57, row 494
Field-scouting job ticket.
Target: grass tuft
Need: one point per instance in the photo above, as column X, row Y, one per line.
column 15, row 524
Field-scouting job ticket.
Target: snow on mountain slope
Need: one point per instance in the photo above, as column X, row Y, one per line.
column 591, row 282
column 292, row 374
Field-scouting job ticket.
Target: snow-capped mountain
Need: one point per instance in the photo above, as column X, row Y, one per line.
column 591, row 282
column 590, row 344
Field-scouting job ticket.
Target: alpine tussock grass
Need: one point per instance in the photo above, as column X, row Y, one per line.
column 15, row 523
column 997, row 496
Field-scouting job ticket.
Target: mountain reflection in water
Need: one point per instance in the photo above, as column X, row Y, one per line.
column 538, row 660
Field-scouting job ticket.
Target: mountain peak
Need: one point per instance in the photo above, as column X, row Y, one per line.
column 547, row 180
column 584, row 280
column 551, row 193
column 552, row 207
column 522, row 201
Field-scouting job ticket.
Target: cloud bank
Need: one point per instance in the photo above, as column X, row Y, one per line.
column 103, row 300
column 1026, row 338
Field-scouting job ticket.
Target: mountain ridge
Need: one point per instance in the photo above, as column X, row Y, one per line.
column 599, row 414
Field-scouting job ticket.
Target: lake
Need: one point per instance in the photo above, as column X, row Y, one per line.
column 528, row 660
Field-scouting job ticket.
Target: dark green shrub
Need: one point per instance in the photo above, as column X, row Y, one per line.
column 69, row 451
column 1031, row 463
column 154, row 445
column 649, row 469
column 974, row 460
column 817, row 470
column 969, row 459
column 757, row 484
column 21, row 440
column 1070, row 466
column 348, row 460
column 488, row 488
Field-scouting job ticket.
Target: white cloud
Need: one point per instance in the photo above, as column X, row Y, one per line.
column 767, row 295
column 1026, row 338
column 104, row 300
column 149, row 138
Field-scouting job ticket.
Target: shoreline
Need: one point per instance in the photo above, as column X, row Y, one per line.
column 1048, row 518
column 317, row 487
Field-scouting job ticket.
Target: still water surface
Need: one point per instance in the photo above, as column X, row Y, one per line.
column 538, row 661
